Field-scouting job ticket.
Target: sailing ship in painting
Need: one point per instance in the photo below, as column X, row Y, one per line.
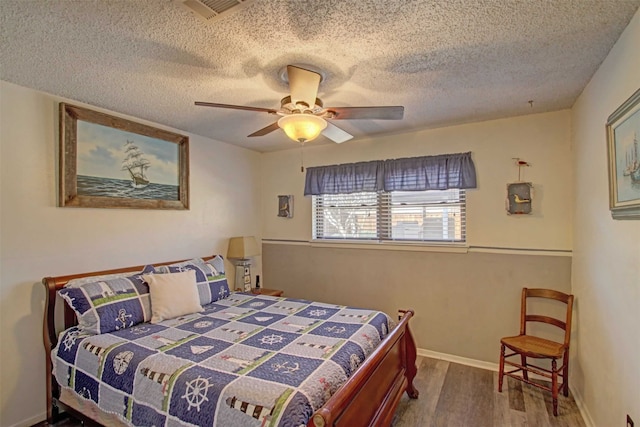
column 632, row 162
column 135, row 163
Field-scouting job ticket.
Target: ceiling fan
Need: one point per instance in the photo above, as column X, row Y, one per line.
column 304, row 116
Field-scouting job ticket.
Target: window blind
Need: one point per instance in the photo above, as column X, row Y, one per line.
column 424, row 216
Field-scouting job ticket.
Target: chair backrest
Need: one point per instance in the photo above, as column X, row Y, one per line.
column 549, row 294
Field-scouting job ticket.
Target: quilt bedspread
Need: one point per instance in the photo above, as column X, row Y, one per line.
column 247, row 360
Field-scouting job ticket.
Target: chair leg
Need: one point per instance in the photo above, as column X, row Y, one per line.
column 554, row 385
column 525, row 373
column 501, row 369
column 565, row 374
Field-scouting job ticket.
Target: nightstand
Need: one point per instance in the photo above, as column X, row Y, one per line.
column 270, row 292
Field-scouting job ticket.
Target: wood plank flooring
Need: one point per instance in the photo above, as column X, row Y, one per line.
column 453, row 395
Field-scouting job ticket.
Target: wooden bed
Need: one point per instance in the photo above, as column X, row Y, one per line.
column 368, row 398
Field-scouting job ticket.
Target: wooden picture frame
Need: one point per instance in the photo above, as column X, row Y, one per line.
column 623, row 140
column 111, row 162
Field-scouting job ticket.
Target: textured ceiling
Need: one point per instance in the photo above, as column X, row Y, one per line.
column 446, row 61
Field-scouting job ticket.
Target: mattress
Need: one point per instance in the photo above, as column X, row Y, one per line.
column 247, row 360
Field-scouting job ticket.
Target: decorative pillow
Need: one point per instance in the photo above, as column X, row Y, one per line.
column 109, row 305
column 210, row 278
column 76, row 283
column 173, row 295
column 164, row 269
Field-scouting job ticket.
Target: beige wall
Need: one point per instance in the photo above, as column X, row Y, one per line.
column 606, row 263
column 541, row 139
column 39, row 239
column 464, row 302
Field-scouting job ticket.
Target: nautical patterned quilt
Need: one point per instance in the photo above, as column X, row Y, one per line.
column 247, row 360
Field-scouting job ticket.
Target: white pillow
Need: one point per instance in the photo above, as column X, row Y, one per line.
column 173, row 295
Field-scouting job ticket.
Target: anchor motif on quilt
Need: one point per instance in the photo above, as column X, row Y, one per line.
column 335, row 329
column 122, row 318
column 223, row 292
column 139, row 330
column 285, row 368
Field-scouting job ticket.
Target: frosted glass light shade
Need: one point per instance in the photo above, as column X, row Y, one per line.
column 302, row 127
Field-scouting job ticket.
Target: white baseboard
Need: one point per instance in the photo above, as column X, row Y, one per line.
column 31, row 421
column 586, row 416
column 458, row 359
column 490, row 366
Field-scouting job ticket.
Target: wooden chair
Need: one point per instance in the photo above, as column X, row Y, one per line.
column 540, row 348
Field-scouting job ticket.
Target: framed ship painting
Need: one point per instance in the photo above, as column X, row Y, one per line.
column 110, row 162
column 623, row 140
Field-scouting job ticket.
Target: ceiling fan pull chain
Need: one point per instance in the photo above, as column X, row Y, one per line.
column 302, row 157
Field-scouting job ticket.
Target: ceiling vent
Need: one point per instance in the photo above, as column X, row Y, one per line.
column 213, row 10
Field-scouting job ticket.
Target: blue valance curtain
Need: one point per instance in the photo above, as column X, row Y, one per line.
column 407, row 174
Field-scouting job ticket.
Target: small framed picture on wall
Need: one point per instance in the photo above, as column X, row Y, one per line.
column 285, row 206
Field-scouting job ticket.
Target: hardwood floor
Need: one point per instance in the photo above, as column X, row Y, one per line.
column 453, row 395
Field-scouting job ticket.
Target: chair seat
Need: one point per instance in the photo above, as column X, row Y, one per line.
column 534, row 346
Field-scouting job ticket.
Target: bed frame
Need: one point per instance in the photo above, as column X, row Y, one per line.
column 368, row 398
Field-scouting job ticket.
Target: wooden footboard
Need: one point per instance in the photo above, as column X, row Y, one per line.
column 371, row 395
column 368, row 398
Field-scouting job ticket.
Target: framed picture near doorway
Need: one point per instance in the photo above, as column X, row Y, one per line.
column 623, row 138
column 111, row 162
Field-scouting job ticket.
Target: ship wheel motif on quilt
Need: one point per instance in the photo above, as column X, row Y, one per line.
column 271, row 339
column 318, row 312
column 70, row 340
column 196, row 392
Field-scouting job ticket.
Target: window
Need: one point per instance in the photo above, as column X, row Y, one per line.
column 413, row 216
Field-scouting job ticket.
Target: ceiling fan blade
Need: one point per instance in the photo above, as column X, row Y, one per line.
column 303, row 85
column 336, row 134
column 266, row 130
column 236, row 107
column 379, row 113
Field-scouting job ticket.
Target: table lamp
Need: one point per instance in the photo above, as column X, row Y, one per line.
column 240, row 249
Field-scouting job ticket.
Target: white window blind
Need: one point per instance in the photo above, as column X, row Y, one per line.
column 415, row 216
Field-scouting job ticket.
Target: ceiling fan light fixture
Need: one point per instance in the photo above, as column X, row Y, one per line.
column 302, row 127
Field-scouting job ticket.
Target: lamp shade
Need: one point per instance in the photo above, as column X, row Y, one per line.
column 243, row 247
column 302, row 127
